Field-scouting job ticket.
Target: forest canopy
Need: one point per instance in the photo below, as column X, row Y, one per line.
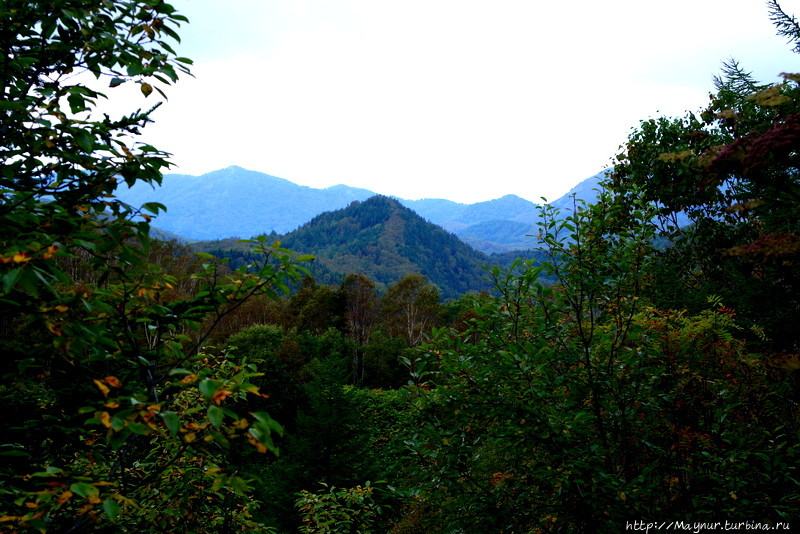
column 608, row 379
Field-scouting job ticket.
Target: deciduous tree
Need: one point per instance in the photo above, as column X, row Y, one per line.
column 119, row 420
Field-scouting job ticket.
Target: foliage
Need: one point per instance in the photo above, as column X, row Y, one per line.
column 732, row 169
column 643, row 383
column 339, row 510
column 574, row 407
column 361, row 310
column 120, row 419
column 786, row 24
column 412, row 307
column 342, row 435
column 385, row 241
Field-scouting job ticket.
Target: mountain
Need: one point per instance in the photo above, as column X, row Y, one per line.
column 381, row 239
column 507, row 224
column 585, row 190
column 235, row 202
column 385, row 240
column 436, row 210
column 501, row 225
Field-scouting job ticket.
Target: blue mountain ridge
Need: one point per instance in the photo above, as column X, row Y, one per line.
column 236, row 202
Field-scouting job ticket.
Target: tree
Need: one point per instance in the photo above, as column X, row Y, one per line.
column 119, row 419
column 339, row 510
column 410, row 308
column 361, row 310
column 569, row 408
column 642, row 382
column 733, row 170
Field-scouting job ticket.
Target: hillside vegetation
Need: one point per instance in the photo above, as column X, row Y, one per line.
column 602, row 384
column 383, row 240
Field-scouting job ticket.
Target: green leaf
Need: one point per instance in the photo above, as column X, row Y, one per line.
column 84, row 140
column 172, row 421
column 154, row 207
column 239, row 485
column 111, row 508
column 22, row 365
column 220, row 438
column 139, row 428
column 269, row 422
column 215, row 415
column 6, row 105
column 208, row 388
column 84, row 490
column 10, row 279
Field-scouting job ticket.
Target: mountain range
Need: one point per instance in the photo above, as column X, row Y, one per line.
column 235, row 202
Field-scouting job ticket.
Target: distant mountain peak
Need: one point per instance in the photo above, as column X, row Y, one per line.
column 235, row 201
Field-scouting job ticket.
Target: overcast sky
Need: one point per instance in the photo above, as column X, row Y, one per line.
column 458, row 99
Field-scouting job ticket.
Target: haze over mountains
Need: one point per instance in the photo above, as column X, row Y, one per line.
column 235, row 202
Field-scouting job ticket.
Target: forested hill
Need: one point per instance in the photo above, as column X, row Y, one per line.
column 384, row 240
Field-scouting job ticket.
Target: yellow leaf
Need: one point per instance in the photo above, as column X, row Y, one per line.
column 220, row 395
column 102, row 387
column 105, row 418
column 190, row 437
column 771, row 96
column 258, row 445
column 727, row 114
column 672, row 157
column 62, row 308
column 55, row 329
column 113, row 381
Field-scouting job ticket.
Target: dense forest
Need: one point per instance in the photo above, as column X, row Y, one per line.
column 380, row 239
column 636, row 371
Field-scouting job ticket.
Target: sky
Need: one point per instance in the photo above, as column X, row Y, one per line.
column 460, row 99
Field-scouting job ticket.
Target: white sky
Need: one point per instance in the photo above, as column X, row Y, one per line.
column 460, row 99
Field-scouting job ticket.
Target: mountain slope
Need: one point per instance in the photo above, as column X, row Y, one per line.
column 585, row 190
column 237, row 202
column 384, row 240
